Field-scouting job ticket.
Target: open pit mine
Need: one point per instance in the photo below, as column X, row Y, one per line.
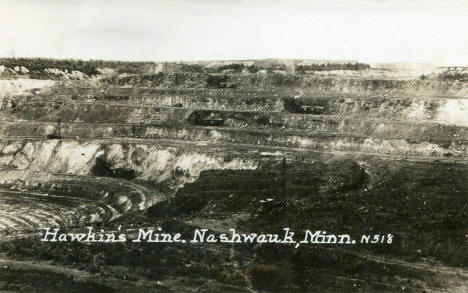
column 256, row 146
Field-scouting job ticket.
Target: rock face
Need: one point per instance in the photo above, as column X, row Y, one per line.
column 189, row 146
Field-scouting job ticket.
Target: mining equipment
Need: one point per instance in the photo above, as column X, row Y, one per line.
column 312, row 110
column 228, row 85
column 212, row 119
column 57, row 132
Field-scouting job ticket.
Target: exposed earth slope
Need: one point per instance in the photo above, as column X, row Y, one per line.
column 367, row 150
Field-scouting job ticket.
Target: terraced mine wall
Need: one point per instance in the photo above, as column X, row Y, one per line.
column 183, row 151
column 307, row 83
column 444, row 110
column 405, row 118
column 151, row 162
column 446, row 113
column 318, row 141
column 411, row 126
column 88, row 182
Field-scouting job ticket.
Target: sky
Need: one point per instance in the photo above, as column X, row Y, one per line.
column 187, row 30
